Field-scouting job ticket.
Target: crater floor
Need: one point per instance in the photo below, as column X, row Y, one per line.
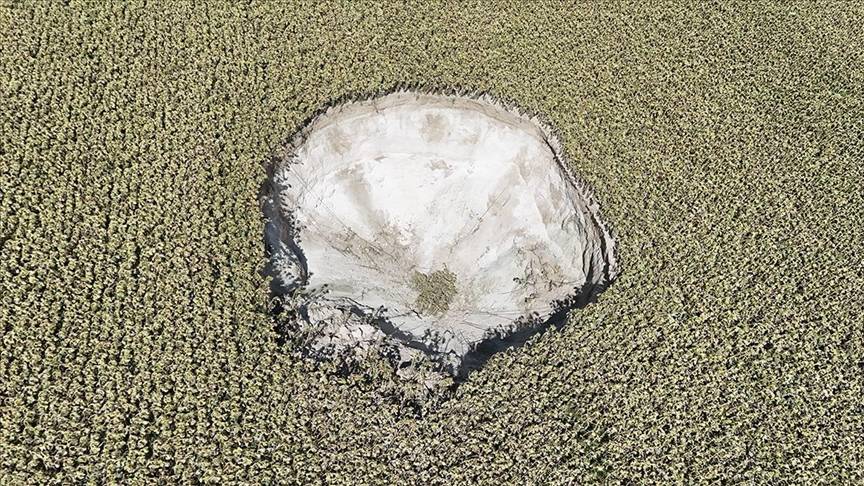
column 432, row 223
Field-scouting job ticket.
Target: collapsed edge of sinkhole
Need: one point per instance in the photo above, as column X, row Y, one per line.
column 432, row 229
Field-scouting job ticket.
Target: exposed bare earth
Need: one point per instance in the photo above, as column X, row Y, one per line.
column 382, row 205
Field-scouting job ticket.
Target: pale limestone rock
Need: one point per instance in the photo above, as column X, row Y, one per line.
column 375, row 192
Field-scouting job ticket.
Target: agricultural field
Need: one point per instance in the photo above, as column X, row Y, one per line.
column 723, row 142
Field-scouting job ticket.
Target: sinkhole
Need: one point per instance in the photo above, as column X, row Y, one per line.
column 429, row 226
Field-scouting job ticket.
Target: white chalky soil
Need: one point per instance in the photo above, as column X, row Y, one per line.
column 381, row 189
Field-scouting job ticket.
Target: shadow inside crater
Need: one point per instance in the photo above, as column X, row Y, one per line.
column 487, row 348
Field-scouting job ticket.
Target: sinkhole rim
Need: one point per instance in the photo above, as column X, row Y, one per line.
column 526, row 326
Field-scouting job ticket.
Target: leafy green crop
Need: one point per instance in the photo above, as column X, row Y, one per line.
column 436, row 290
column 724, row 142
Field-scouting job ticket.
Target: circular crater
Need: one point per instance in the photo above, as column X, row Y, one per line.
column 432, row 226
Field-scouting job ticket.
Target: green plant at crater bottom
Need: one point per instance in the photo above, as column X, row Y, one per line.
column 437, row 290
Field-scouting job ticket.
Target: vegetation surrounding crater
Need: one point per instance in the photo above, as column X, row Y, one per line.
column 724, row 139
